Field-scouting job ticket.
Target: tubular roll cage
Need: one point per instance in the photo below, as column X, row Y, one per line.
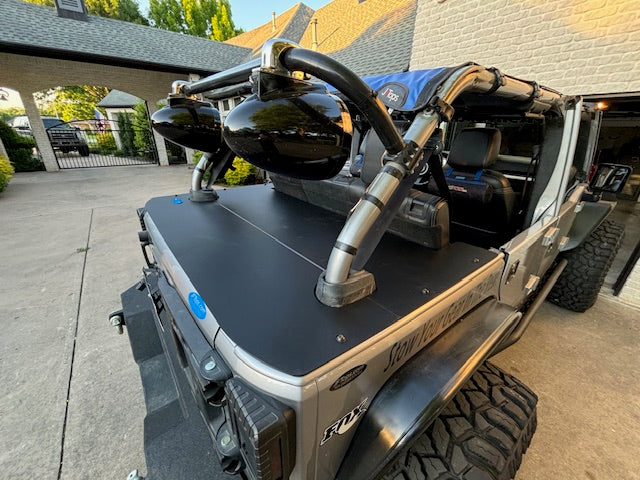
column 344, row 279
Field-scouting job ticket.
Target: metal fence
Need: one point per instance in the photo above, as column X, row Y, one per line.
column 102, row 143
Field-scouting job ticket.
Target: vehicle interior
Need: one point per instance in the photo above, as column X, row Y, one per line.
column 495, row 164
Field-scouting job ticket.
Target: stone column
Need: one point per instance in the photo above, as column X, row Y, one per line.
column 3, row 151
column 39, row 133
column 160, row 146
column 189, row 155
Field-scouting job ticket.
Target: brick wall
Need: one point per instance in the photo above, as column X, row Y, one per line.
column 28, row 74
column 575, row 46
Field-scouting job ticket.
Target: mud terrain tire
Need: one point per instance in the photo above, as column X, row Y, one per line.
column 578, row 286
column 480, row 435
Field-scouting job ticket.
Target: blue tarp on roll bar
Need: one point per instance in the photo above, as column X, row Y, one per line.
column 414, row 84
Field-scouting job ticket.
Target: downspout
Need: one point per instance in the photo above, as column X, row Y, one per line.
column 314, row 34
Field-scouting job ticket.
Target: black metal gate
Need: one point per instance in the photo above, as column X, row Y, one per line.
column 102, row 143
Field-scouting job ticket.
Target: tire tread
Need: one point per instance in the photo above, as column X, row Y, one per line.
column 578, row 286
column 480, row 435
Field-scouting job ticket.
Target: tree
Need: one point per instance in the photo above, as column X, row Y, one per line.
column 70, row 103
column 201, row 18
column 47, row 3
column 6, row 114
column 126, row 10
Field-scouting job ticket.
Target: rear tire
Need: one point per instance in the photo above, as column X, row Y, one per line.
column 83, row 151
column 578, row 286
column 480, row 435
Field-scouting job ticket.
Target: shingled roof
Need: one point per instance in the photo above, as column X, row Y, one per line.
column 369, row 36
column 290, row 25
column 37, row 30
column 382, row 44
column 118, row 99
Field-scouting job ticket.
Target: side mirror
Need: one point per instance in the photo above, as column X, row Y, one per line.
column 610, row 178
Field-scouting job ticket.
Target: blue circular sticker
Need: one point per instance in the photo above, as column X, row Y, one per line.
column 197, row 305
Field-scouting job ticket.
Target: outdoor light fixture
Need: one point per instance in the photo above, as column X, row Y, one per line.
column 602, row 106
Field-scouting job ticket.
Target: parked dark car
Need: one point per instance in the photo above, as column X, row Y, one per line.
column 61, row 135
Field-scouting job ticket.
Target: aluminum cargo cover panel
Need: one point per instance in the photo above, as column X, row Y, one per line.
column 254, row 256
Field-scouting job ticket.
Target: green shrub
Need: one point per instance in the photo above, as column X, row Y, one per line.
column 20, row 150
column 244, row 173
column 142, row 134
column 106, row 142
column 6, row 172
column 125, row 131
column 23, row 160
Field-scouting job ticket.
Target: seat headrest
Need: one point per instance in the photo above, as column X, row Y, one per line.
column 475, row 148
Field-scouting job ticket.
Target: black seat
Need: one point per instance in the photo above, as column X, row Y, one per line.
column 422, row 218
column 483, row 202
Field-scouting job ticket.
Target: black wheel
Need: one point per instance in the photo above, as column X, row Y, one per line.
column 578, row 286
column 480, row 435
column 83, row 150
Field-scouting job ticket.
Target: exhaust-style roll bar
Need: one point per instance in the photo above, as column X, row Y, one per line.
column 344, row 281
column 335, row 287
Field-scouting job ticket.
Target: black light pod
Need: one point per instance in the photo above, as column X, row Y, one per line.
column 189, row 123
column 300, row 131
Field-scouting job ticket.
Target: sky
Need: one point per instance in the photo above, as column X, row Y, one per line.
column 249, row 14
column 13, row 100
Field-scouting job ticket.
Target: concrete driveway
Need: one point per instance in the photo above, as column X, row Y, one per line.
column 71, row 404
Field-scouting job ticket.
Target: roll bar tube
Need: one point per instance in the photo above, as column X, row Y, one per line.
column 473, row 78
column 339, row 284
column 232, row 76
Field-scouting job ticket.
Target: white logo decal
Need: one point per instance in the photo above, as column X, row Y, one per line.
column 345, row 423
column 391, row 95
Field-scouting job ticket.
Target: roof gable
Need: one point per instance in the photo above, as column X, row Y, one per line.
column 119, row 99
column 290, row 25
column 384, row 46
column 370, row 37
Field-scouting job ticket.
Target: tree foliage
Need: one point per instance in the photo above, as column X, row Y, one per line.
column 126, row 10
column 69, row 103
column 201, row 18
column 6, row 114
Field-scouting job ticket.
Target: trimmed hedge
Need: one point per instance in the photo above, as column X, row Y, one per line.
column 20, row 150
column 6, row 172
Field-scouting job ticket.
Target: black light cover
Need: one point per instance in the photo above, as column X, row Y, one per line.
column 189, row 123
column 302, row 132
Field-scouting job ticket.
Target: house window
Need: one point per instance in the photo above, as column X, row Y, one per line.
column 225, row 104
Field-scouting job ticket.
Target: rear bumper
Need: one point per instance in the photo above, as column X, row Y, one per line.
column 177, row 442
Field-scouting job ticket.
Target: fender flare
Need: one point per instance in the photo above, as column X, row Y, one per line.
column 586, row 221
column 416, row 393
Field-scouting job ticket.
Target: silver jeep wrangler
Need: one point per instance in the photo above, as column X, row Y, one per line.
column 277, row 340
